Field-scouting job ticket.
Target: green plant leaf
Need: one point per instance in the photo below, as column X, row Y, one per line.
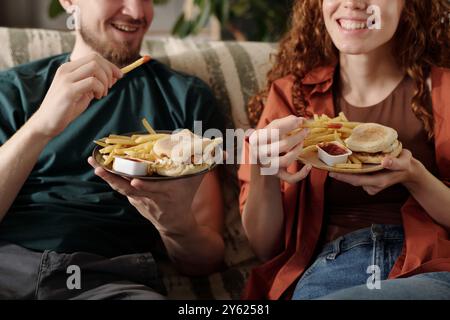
column 221, row 9
column 203, row 18
column 55, row 9
column 182, row 27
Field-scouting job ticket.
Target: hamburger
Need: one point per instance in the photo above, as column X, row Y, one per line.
column 184, row 153
column 371, row 142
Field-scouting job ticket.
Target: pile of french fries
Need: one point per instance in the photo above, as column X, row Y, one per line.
column 138, row 146
column 325, row 129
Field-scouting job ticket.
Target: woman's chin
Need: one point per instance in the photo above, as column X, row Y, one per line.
column 351, row 49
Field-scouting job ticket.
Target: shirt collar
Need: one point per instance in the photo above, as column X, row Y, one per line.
column 321, row 78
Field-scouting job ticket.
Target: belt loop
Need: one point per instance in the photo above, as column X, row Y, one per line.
column 336, row 249
column 377, row 233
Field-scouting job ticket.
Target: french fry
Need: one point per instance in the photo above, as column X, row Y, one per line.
column 120, row 141
column 350, row 125
column 148, row 126
column 152, row 137
column 318, row 130
column 107, row 149
column 357, row 158
column 308, row 149
column 115, row 136
column 135, row 64
column 354, row 159
column 109, row 159
column 336, row 119
column 326, row 138
column 101, row 143
column 337, row 137
column 343, row 117
column 136, row 136
column 316, row 136
column 345, row 130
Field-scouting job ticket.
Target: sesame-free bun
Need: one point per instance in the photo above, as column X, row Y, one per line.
column 377, row 158
column 184, row 153
column 371, row 138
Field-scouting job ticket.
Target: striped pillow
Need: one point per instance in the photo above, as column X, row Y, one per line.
column 235, row 71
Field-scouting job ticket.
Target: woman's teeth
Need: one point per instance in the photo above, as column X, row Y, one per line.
column 125, row 28
column 352, row 25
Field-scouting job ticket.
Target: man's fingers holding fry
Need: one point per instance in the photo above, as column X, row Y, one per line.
column 93, row 69
column 89, row 85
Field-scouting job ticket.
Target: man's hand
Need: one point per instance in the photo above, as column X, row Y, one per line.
column 399, row 170
column 75, row 85
column 166, row 204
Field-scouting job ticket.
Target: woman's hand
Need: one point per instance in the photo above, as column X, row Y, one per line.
column 166, row 204
column 275, row 150
column 399, row 170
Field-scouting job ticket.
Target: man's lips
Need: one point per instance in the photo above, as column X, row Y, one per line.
column 125, row 27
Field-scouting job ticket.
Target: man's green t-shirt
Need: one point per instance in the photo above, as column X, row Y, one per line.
column 63, row 206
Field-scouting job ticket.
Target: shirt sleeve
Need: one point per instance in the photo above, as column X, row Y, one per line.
column 278, row 105
column 11, row 111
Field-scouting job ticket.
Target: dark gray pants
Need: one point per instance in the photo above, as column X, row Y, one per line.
column 26, row 274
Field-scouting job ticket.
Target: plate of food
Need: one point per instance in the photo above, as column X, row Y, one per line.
column 339, row 145
column 162, row 155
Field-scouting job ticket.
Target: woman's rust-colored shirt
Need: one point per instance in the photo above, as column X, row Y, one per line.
column 427, row 245
column 349, row 208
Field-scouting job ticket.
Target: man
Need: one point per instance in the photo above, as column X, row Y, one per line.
column 59, row 220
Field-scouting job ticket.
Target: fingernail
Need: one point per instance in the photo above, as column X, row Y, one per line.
column 332, row 175
column 390, row 163
column 309, row 167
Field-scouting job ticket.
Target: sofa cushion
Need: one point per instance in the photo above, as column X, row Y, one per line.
column 235, row 71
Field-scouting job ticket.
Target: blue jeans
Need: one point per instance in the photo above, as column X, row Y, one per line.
column 356, row 266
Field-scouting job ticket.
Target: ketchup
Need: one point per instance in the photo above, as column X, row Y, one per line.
column 333, row 149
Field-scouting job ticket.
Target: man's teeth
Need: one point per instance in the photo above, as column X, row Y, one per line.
column 125, row 28
column 352, row 25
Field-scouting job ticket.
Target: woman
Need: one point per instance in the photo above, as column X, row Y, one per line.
column 340, row 236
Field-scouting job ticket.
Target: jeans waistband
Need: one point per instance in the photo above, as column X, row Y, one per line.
column 366, row 235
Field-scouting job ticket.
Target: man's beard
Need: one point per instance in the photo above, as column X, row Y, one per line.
column 120, row 54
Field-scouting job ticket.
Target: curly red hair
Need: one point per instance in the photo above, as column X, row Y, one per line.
column 422, row 40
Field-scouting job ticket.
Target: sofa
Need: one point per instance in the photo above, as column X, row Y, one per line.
column 235, row 71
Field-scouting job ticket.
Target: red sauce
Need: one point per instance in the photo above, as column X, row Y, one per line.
column 332, row 149
column 335, row 126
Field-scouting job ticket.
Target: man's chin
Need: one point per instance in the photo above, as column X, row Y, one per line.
column 120, row 53
column 121, row 58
